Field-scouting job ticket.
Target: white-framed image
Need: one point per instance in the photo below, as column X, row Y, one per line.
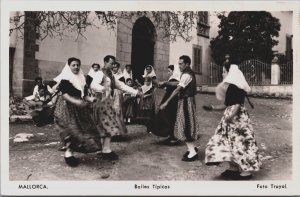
column 149, row 98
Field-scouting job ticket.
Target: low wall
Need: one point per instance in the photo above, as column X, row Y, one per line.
column 277, row 91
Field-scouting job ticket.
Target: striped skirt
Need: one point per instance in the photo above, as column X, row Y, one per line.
column 186, row 126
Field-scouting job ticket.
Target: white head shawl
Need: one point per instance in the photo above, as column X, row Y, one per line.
column 234, row 76
column 127, row 75
column 77, row 80
column 176, row 73
column 146, row 88
column 119, row 74
column 152, row 74
column 97, row 76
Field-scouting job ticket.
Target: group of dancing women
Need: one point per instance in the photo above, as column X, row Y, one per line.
column 91, row 110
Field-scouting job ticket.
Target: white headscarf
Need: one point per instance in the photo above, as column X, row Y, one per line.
column 77, row 80
column 152, row 74
column 146, row 88
column 97, row 76
column 234, row 76
column 127, row 75
column 119, row 74
column 176, row 73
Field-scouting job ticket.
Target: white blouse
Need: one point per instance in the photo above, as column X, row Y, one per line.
column 185, row 80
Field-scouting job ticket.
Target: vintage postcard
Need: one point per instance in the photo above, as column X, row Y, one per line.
column 149, row 98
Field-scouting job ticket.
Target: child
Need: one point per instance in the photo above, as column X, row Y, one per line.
column 147, row 102
column 129, row 103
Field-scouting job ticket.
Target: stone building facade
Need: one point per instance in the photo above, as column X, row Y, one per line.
column 135, row 41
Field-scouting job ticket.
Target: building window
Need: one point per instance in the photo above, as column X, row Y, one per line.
column 197, row 59
column 203, row 24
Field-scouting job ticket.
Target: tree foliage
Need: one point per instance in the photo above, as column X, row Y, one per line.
column 52, row 24
column 245, row 35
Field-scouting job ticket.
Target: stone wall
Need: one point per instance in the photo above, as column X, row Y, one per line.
column 161, row 56
column 30, row 66
column 124, row 47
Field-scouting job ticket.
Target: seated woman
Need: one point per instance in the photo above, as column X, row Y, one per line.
column 146, row 108
column 129, row 103
column 72, row 115
column 163, row 122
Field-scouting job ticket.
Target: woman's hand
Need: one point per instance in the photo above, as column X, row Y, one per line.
column 90, row 99
column 161, row 84
column 163, row 106
column 139, row 94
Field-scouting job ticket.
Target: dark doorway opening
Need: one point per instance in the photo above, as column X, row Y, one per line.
column 143, row 41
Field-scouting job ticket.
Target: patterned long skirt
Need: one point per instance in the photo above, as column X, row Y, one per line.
column 118, row 107
column 106, row 118
column 186, row 126
column 76, row 127
column 234, row 142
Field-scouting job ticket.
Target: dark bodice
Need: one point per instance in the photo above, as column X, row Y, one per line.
column 67, row 87
column 234, row 95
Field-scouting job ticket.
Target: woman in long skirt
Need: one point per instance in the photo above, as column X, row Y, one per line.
column 233, row 140
column 72, row 115
column 163, row 122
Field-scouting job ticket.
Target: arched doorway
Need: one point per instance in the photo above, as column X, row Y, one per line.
column 143, row 41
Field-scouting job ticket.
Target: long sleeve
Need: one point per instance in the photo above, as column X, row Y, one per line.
column 97, row 87
column 121, row 86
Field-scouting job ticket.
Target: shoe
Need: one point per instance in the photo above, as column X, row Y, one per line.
column 194, row 158
column 166, row 141
column 110, row 156
column 188, row 152
column 174, row 142
column 230, row 174
column 71, row 161
column 63, row 148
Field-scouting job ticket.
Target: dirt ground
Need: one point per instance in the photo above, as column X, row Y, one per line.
column 144, row 157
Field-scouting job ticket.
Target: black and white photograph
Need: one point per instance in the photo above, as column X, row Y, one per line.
column 148, row 99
